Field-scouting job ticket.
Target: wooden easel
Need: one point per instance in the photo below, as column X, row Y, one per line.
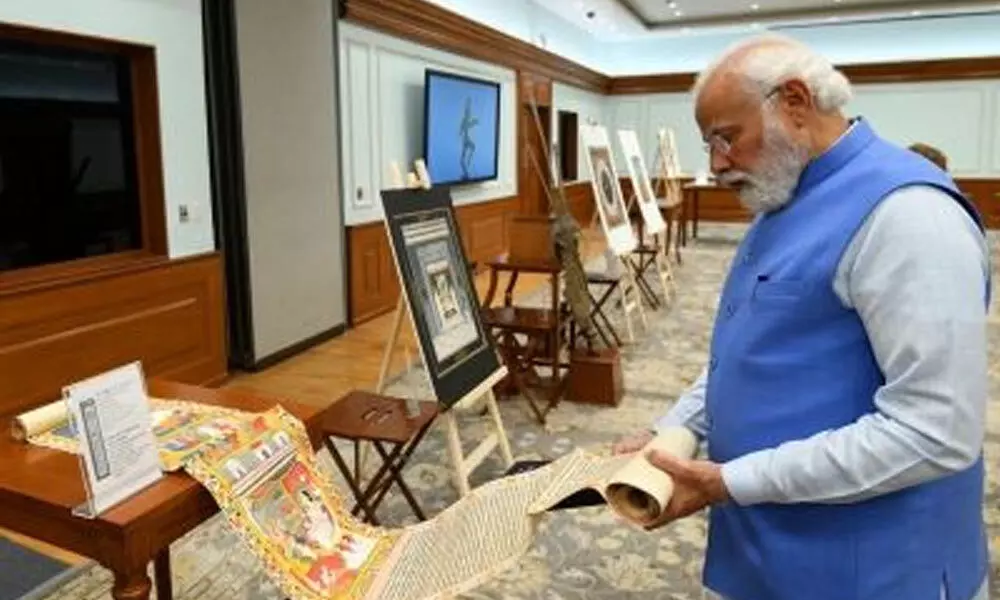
column 462, row 465
column 668, row 187
column 630, row 295
column 657, row 227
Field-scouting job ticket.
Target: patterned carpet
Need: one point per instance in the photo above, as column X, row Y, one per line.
column 584, row 553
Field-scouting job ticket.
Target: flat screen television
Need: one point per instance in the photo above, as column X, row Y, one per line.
column 461, row 128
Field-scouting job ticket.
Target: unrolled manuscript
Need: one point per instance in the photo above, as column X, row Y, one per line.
column 262, row 471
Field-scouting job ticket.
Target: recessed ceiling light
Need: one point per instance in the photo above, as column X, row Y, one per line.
column 916, row 13
column 755, row 7
column 678, row 13
column 671, row 4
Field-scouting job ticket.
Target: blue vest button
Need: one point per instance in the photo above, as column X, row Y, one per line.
column 730, row 310
column 713, row 363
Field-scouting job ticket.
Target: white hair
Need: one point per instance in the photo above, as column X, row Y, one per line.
column 770, row 60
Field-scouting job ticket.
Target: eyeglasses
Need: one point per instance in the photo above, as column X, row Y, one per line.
column 723, row 142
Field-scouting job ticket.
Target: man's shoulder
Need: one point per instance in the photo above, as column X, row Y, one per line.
column 921, row 222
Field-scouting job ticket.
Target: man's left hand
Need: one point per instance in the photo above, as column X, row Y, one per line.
column 697, row 484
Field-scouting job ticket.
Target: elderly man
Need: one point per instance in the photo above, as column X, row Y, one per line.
column 843, row 404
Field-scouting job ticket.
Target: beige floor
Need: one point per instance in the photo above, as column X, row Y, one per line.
column 323, row 374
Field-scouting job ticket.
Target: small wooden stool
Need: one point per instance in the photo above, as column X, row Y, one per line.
column 602, row 324
column 381, row 420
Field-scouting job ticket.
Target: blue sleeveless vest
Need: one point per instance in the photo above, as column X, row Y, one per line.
column 788, row 360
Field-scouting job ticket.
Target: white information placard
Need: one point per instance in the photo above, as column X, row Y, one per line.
column 113, row 423
column 607, row 190
column 648, row 205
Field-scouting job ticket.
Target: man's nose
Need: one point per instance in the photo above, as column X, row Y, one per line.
column 718, row 161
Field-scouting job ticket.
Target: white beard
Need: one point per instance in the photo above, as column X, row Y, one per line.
column 771, row 185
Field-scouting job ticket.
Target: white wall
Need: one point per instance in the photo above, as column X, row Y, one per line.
column 382, row 116
column 588, row 106
column 525, row 20
column 173, row 27
column 295, row 231
column 960, row 118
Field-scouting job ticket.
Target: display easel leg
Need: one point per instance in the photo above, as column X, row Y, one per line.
column 397, row 325
column 462, row 465
column 631, row 299
column 664, row 270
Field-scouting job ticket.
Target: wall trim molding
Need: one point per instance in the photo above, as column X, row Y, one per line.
column 431, row 25
column 957, row 69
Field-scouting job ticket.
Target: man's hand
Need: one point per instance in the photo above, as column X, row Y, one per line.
column 632, row 443
column 697, row 484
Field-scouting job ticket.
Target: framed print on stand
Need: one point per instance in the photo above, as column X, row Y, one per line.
column 650, row 209
column 459, row 356
column 613, row 215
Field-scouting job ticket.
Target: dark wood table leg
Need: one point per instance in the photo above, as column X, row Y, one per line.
column 351, row 478
column 161, row 570
column 133, row 584
column 697, row 210
column 396, row 475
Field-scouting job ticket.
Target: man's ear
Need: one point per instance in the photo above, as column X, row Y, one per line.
column 797, row 100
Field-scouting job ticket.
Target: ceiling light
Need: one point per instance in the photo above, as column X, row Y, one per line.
column 671, row 4
column 755, row 7
column 678, row 13
column 916, row 13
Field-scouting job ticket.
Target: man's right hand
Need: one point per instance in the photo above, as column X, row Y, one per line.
column 633, row 443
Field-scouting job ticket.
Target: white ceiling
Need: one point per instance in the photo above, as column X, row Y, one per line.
column 623, row 19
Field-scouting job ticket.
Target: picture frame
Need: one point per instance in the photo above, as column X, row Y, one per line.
column 608, row 196
column 458, row 352
column 636, row 164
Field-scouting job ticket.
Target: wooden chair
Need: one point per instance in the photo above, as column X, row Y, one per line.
column 529, row 337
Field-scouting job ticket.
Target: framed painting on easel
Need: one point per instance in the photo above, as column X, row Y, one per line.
column 607, row 192
column 457, row 350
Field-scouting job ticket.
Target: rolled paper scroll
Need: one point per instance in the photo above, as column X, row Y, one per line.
column 641, row 492
column 39, row 420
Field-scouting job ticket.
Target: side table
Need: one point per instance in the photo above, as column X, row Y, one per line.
column 382, row 421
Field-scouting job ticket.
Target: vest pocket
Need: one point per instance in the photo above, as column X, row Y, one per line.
column 780, row 293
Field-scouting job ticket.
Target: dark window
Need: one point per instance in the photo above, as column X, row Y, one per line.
column 68, row 184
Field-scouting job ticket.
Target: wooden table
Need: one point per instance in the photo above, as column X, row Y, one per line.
column 39, row 487
column 692, row 200
column 364, row 417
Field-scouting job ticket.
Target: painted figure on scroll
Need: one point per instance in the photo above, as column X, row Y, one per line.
column 843, row 403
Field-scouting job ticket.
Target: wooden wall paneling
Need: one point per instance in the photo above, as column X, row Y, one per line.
column 431, row 25
column 580, row 197
column 373, row 280
column 985, row 194
column 485, row 228
column 168, row 314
